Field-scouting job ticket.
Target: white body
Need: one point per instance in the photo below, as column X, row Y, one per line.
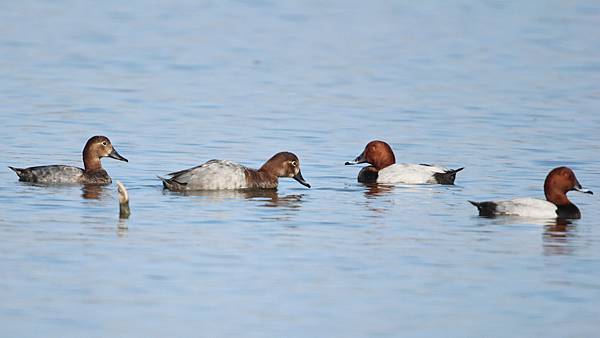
column 214, row 175
column 409, row 174
column 526, row 207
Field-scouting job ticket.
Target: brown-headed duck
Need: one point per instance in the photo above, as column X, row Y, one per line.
column 557, row 205
column 383, row 168
column 93, row 173
column 222, row 175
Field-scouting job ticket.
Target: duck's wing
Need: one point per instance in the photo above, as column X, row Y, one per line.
column 49, row 174
column 214, row 174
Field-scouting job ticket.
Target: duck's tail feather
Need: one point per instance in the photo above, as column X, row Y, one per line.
column 485, row 208
column 23, row 173
column 477, row 204
column 447, row 177
column 171, row 184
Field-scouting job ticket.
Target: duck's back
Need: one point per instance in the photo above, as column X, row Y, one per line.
column 212, row 175
column 409, row 174
column 525, row 207
column 50, row 174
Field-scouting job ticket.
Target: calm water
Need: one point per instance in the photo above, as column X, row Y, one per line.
column 507, row 89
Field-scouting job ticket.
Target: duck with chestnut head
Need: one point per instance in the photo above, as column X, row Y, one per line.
column 558, row 183
column 96, row 148
column 384, row 169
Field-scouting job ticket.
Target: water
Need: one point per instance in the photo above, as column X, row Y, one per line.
column 507, row 89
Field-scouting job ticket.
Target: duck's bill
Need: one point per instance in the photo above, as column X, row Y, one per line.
column 358, row 160
column 114, row 154
column 585, row 191
column 579, row 188
column 301, row 180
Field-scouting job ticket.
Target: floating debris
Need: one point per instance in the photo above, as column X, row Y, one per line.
column 124, row 210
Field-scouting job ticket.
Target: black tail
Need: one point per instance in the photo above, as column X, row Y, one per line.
column 447, row 177
column 477, row 204
column 21, row 172
column 485, row 208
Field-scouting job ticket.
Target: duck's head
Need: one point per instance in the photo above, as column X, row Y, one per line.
column 96, row 148
column 285, row 164
column 377, row 153
column 560, row 181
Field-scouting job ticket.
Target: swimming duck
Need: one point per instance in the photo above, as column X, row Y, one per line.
column 383, row 168
column 93, row 173
column 222, row 175
column 558, row 182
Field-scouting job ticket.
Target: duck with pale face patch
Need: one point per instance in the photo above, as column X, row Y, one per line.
column 92, row 173
column 227, row 175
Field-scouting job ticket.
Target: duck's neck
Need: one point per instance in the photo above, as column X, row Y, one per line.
column 565, row 208
column 557, row 197
column 91, row 162
column 268, row 168
column 384, row 159
column 260, row 178
column 384, row 162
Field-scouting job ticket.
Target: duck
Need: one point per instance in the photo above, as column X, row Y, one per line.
column 384, row 169
column 92, row 173
column 228, row 175
column 558, row 183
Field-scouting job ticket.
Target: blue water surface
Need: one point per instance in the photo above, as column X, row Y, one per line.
column 507, row 89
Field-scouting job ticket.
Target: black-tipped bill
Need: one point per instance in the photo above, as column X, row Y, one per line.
column 585, row 191
column 301, row 180
column 579, row 188
column 114, row 154
column 358, row 160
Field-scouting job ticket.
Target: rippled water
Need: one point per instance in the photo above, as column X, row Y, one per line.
column 507, row 89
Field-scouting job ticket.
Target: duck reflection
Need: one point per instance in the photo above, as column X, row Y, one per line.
column 376, row 190
column 122, row 227
column 271, row 197
column 93, row 191
column 372, row 202
column 556, row 237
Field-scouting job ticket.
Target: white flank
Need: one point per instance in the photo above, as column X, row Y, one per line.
column 214, row 175
column 409, row 174
column 526, row 207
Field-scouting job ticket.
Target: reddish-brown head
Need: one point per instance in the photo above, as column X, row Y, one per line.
column 377, row 153
column 560, row 181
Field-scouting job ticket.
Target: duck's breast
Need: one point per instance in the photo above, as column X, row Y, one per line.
column 214, row 175
column 409, row 174
column 96, row 177
column 526, row 207
column 53, row 174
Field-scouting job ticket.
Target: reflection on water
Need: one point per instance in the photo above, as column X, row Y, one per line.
column 122, row 227
column 271, row 197
column 93, row 191
column 289, row 201
column 485, row 91
column 556, row 237
column 374, row 190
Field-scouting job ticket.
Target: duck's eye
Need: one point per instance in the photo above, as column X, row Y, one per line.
column 104, row 143
column 293, row 163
